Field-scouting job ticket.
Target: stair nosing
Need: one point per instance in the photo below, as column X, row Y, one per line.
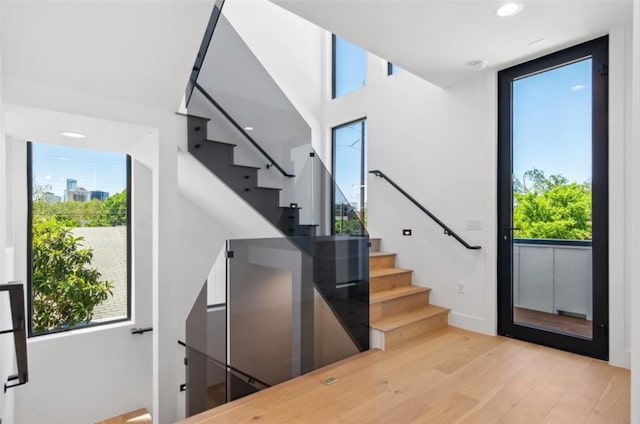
column 381, row 254
column 382, row 272
column 396, row 293
column 402, row 320
column 221, row 142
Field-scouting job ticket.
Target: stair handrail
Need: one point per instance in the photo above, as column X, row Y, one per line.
column 448, row 231
column 221, row 364
column 202, row 51
column 242, row 131
column 18, row 328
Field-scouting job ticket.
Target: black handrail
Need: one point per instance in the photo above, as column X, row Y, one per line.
column 141, row 330
column 221, row 364
column 202, row 52
column 448, row 231
column 243, row 132
column 18, row 321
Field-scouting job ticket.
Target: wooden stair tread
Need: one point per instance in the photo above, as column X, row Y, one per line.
column 139, row 416
column 387, row 271
column 380, row 254
column 400, row 320
column 381, row 296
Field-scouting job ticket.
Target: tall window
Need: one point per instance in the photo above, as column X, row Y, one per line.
column 349, row 67
column 79, row 237
column 350, row 176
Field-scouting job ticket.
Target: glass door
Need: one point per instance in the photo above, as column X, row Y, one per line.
column 553, row 218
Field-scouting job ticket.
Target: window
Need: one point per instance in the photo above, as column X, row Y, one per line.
column 350, row 176
column 349, row 67
column 393, row 69
column 79, row 237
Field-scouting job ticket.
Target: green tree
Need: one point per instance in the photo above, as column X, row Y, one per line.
column 551, row 207
column 113, row 213
column 66, row 288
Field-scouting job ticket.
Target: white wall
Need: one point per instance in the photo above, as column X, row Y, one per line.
column 7, row 355
column 634, row 229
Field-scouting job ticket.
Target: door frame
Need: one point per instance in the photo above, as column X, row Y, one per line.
column 598, row 346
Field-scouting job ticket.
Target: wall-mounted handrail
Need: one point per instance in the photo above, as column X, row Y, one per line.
column 448, row 231
column 18, row 321
column 141, row 330
column 243, row 132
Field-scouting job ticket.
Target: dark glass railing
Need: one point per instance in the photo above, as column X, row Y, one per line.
column 297, row 302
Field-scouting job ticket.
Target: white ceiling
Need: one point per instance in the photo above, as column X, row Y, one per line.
column 437, row 39
column 133, row 51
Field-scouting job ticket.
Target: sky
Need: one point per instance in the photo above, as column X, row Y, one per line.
column 93, row 169
column 552, row 122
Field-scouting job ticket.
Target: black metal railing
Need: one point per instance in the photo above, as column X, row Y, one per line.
column 448, row 231
column 250, row 379
column 18, row 321
column 271, row 161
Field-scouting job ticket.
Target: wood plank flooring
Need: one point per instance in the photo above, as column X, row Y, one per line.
column 447, row 376
column 139, row 416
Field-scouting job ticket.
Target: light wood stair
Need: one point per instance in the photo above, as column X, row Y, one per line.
column 398, row 310
column 139, row 416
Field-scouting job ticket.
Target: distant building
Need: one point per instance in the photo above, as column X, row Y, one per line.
column 72, row 184
column 99, row 195
column 79, row 194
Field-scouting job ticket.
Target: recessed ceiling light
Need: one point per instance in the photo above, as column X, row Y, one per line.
column 509, row 9
column 478, row 65
column 248, row 128
column 72, row 134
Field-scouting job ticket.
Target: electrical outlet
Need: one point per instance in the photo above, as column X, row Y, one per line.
column 460, row 287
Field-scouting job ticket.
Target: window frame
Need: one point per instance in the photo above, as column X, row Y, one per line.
column 129, row 188
column 364, row 160
column 334, row 95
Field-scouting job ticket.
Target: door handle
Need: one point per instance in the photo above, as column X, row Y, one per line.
column 506, row 236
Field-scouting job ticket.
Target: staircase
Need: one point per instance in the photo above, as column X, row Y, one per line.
column 218, row 156
column 398, row 310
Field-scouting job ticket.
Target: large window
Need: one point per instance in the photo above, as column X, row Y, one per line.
column 79, row 237
column 349, row 67
column 350, row 175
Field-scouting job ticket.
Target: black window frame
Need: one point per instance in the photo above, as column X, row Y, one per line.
column 363, row 158
column 598, row 346
column 31, row 334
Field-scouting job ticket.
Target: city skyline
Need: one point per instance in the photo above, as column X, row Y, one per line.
column 94, row 170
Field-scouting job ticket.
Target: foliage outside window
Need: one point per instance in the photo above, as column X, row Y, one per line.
column 80, row 239
column 551, row 207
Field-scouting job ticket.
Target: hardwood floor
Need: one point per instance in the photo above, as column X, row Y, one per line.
column 139, row 416
column 448, row 376
column 560, row 323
